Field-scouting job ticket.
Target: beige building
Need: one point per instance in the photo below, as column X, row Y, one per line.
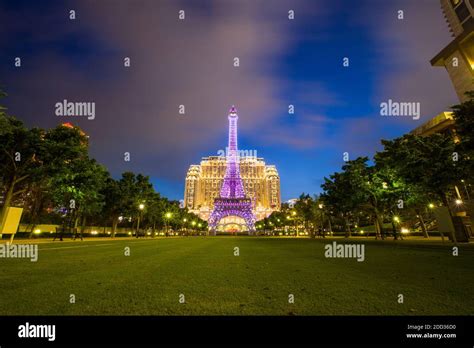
column 204, row 181
column 458, row 60
column 458, row 56
column 441, row 123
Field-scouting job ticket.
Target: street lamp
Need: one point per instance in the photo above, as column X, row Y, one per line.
column 167, row 216
column 431, row 205
column 458, row 202
column 185, row 229
column 322, row 219
column 141, row 207
column 296, row 223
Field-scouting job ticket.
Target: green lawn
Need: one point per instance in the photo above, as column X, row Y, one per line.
column 258, row 282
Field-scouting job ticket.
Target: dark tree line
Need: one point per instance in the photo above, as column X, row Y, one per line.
column 405, row 181
column 50, row 174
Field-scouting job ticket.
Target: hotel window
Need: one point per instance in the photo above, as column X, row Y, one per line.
column 461, row 10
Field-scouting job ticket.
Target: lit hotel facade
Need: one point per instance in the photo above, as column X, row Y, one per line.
column 261, row 184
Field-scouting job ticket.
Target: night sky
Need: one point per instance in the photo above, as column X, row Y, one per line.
column 190, row 62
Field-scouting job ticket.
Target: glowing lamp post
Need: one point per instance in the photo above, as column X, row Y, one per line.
column 140, row 207
column 167, row 217
column 320, row 206
column 293, row 213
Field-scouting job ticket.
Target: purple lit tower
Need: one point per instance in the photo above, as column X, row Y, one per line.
column 232, row 200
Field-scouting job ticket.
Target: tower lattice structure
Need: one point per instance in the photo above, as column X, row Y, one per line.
column 232, row 200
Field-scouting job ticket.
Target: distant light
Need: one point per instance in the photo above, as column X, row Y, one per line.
column 458, row 202
column 293, row 213
column 431, row 205
column 141, row 206
column 320, row 206
column 168, row 215
column 38, row 231
column 108, row 232
column 149, row 233
column 129, row 233
column 396, row 219
column 120, row 218
column 185, row 219
column 94, row 232
column 361, row 231
column 405, row 230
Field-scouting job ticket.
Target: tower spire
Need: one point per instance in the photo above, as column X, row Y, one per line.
column 232, row 186
column 232, row 200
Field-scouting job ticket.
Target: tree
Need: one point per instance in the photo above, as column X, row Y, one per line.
column 464, row 137
column 113, row 203
column 429, row 163
column 304, row 208
column 341, row 196
column 135, row 190
column 79, row 190
column 464, row 123
column 405, row 195
column 372, row 188
column 19, row 160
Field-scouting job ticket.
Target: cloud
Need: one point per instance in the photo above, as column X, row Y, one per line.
column 173, row 63
column 404, row 50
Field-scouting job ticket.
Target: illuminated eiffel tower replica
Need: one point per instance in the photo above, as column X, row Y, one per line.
column 232, row 200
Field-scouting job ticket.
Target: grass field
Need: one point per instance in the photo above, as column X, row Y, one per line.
column 215, row 282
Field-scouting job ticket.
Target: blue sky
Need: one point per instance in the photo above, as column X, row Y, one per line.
column 190, row 62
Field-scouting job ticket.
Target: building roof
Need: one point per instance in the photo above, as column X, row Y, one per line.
column 453, row 46
column 437, row 124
